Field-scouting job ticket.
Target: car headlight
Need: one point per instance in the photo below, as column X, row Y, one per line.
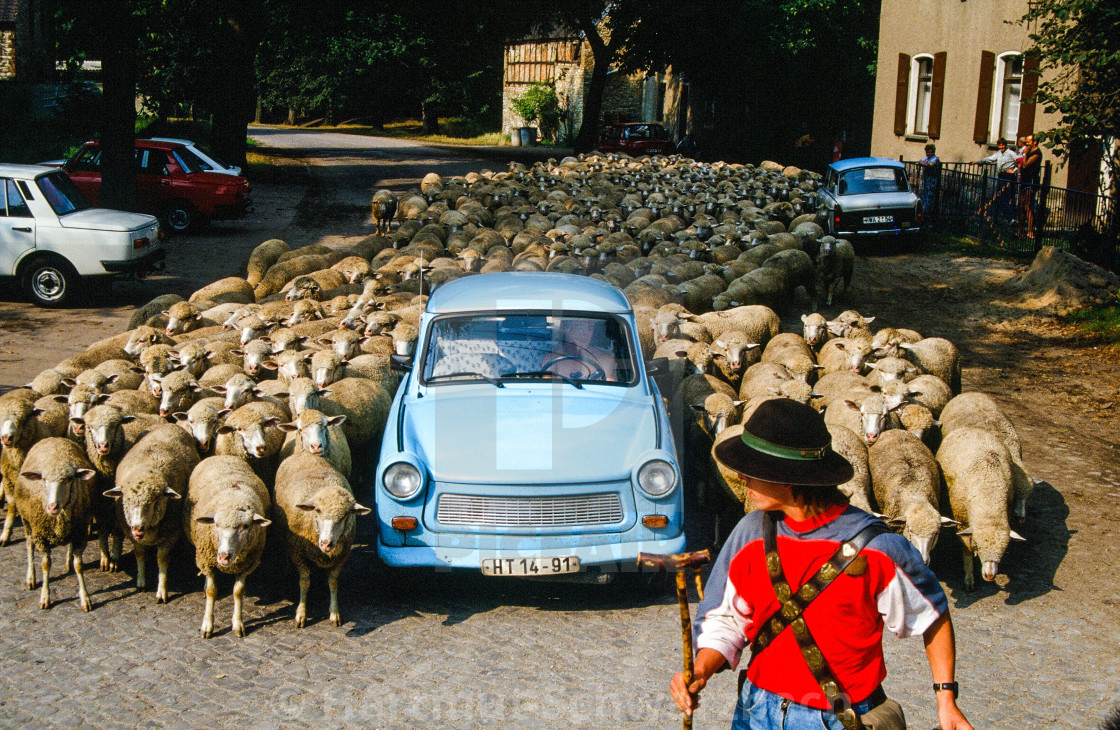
column 402, row 480
column 657, row 477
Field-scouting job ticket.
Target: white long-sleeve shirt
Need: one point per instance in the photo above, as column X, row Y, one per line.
column 1005, row 161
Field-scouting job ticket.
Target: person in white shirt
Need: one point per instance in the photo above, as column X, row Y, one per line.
column 1006, row 162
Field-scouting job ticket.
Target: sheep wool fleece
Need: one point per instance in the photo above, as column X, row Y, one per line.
column 886, row 586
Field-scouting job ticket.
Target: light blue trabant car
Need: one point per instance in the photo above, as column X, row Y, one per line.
column 869, row 196
column 528, row 437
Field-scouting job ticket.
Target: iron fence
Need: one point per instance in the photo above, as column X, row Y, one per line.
column 972, row 200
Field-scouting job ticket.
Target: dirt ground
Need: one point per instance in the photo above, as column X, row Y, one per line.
column 1059, row 388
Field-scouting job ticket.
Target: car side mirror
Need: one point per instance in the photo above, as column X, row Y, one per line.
column 400, row 363
column 658, row 369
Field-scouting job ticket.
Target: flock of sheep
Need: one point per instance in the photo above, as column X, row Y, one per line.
column 235, row 418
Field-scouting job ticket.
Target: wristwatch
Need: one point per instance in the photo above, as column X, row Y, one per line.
column 948, row 685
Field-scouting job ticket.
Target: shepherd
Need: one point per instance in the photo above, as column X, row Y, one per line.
column 809, row 583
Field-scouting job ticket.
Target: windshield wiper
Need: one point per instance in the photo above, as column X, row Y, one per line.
column 468, row 373
column 542, row 373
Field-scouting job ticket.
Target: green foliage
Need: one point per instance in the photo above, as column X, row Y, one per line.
column 1102, row 321
column 1078, row 44
column 538, row 103
column 54, row 132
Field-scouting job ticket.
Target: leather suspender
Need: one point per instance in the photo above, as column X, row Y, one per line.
column 793, row 606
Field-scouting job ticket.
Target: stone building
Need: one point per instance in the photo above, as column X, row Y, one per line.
column 955, row 74
column 25, row 48
column 565, row 62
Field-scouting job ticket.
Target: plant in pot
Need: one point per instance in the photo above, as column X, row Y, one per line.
column 539, row 105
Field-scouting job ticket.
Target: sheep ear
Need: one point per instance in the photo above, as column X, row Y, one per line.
column 336, row 420
column 851, row 404
column 946, row 521
column 136, row 369
column 224, row 412
column 261, row 521
column 720, row 343
column 896, row 521
column 698, row 407
column 226, row 429
column 77, row 421
column 872, row 365
column 306, row 507
column 324, row 342
column 752, row 346
column 868, row 320
column 219, row 389
column 804, row 318
column 204, row 520
column 237, row 353
column 177, row 415
column 324, row 392
column 114, row 493
column 271, row 364
column 128, row 419
column 165, row 314
column 1016, row 536
column 269, row 422
column 103, row 398
column 288, row 427
column 279, row 396
column 32, row 475
column 60, row 399
column 359, row 509
column 171, row 494
column 86, row 474
column 965, row 532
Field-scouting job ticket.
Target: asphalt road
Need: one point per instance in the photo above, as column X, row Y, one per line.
column 426, row 648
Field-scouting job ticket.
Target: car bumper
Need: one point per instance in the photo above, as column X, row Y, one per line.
column 880, row 232
column 151, row 261
column 610, row 557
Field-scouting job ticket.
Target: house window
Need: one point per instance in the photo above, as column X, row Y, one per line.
column 1011, row 91
column 922, row 85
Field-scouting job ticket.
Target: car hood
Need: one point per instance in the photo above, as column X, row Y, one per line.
column 215, row 178
column 544, row 433
column 871, row 201
column 103, row 219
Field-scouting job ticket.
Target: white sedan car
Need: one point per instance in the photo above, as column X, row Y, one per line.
column 213, row 165
column 51, row 238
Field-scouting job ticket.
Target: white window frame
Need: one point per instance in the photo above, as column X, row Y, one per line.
column 912, row 96
column 995, row 122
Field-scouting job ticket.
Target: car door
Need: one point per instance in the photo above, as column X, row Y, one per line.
column 153, row 182
column 85, row 171
column 17, row 226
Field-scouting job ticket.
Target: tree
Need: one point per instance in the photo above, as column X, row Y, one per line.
column 1078, row 46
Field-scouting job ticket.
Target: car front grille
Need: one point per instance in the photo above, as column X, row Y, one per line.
column 581, row 509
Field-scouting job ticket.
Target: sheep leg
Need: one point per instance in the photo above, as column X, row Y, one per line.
column 83, row 595
column 238, row 595
column 139, row 550
column 9, row 519
column 304, row 587
column 31, row 582
column 103, row 548
column 332, row 581
column 115, row 541
column 69, row 559
column 163, row 559
column 45, row 593
column 208, row 612
column 969, row 577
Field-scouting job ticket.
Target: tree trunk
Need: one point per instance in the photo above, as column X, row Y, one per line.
column 118, row 126
column 588, row 136
column 430, row 116
column 235, row 97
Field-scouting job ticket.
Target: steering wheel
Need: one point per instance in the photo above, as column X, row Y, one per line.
column 595, row 370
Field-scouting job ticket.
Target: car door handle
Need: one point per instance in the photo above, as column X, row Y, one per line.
column 164, row 182
column 25, row 230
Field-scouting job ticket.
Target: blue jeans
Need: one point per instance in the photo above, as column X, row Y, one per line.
column 759, row 709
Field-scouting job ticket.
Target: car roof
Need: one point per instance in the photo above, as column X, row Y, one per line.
column 855, row 162
column 23, row 172
column 173, row 140
column 521, row 290
column 150, row 144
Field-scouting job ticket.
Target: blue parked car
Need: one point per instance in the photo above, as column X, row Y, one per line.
column 869, row 196
column 528, row 437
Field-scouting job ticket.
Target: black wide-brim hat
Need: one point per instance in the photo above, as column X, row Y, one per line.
column 785, row 442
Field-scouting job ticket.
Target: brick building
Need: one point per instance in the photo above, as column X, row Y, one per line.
column 25, row 48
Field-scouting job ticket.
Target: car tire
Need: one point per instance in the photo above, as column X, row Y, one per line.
column 50, row 281
column 180, row 216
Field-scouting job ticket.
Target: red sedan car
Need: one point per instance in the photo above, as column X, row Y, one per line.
column 636, row 139
column 173, row 184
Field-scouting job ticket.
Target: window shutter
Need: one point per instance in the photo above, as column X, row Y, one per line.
column 984, row 97
column 937, row 94
column 1030, row 88
column 901, row 94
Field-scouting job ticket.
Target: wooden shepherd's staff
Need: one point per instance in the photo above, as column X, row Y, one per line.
column 680, row 563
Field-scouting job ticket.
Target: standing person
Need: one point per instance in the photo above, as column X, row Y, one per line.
column 931, row 179
column 1007, row 167
column 774, row 561
column 803, row 146
column 1030, row 172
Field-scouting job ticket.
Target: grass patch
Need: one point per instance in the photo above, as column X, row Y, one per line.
column 933, row 240
column 1103, row 322
column 453, row 130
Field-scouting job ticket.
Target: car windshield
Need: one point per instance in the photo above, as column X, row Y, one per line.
column 61, row 193
column 873, row 180
column 647, row 131
column 188, row 161
column 571, row 347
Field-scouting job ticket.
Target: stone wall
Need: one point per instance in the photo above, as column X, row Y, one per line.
column 7, row 54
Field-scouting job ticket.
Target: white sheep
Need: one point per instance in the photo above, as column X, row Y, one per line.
column 317, row 509
column 930, row 391
column 364, row 403
column 314, row 433
column 936, row 356
column 978, row 475
column 251, row 433
column 814, row 330
column 53, row 494
column 848, row 444
column 19, row 430
column 151, row 480
column 979, row 410
column 869, row 418
column 907, row 484
column 202, row 421
column 225, row 518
